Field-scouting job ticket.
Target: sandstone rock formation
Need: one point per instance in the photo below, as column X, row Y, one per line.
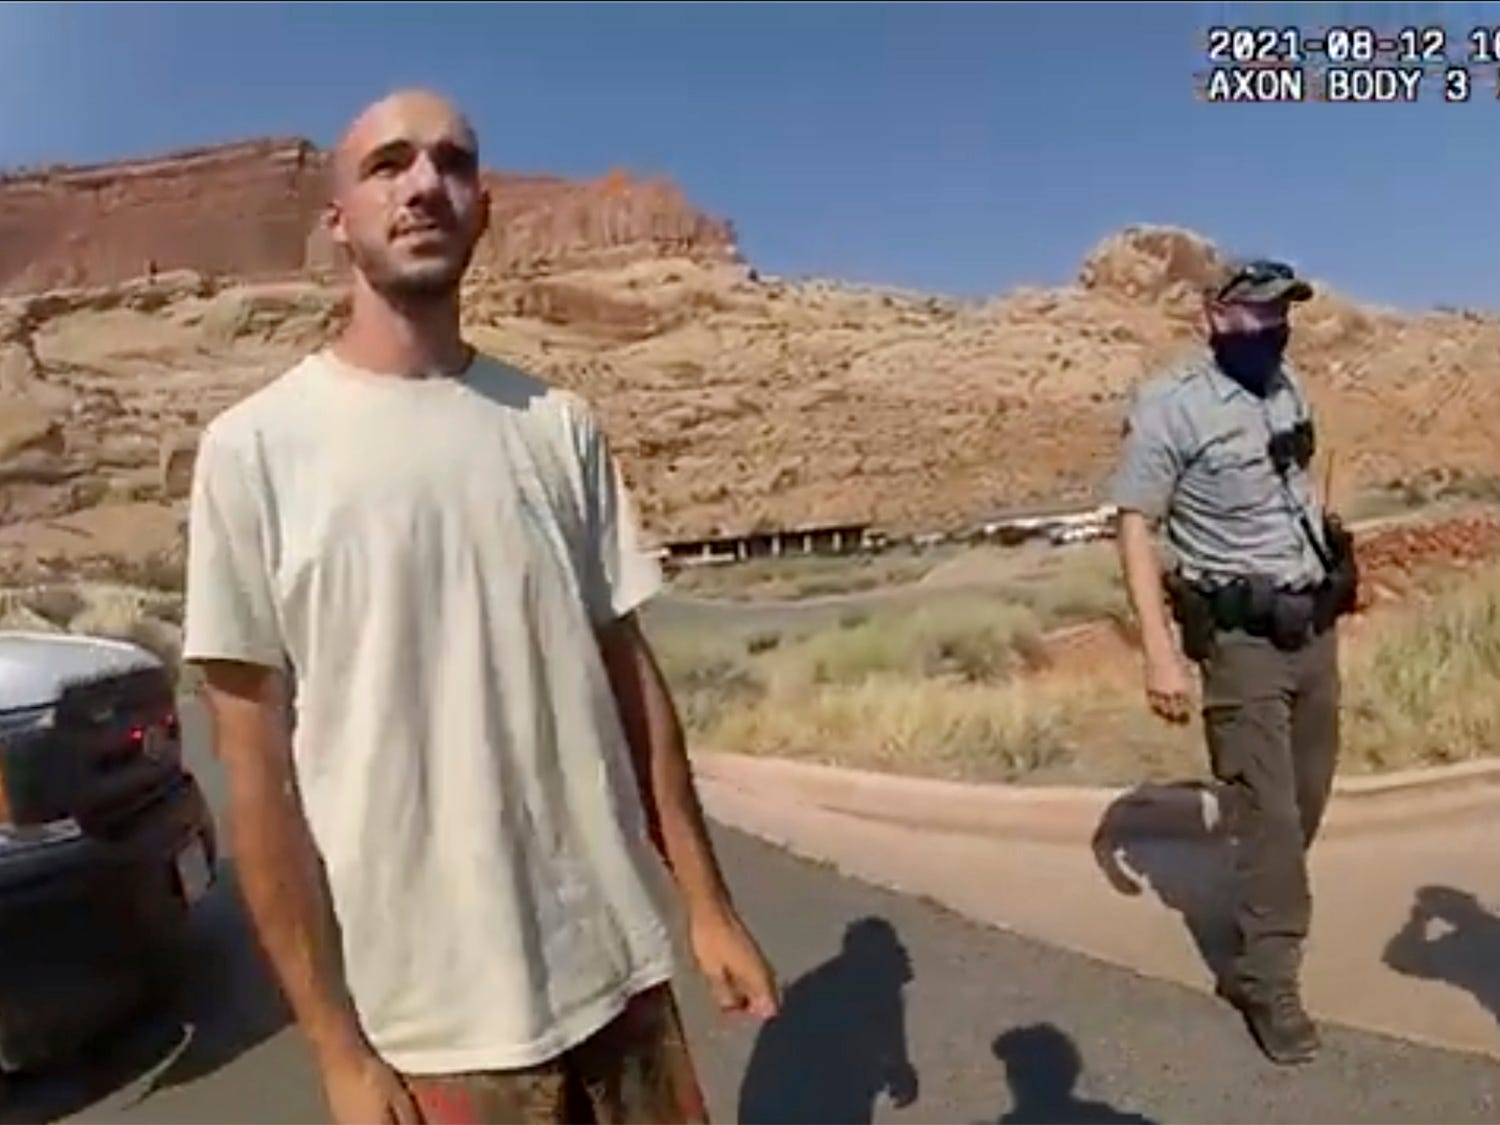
column 243, row 209
column 251, row 210
column 1152, row 265
column 735, row 402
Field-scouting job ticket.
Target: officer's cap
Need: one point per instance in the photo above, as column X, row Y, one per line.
column 1261, row 281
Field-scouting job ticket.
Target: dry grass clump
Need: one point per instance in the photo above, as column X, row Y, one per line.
column 939, row 690
column 1425, row 688
column 951, row 691
column 803, row 577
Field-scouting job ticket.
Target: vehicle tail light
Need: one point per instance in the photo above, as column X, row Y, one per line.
column 159, row 738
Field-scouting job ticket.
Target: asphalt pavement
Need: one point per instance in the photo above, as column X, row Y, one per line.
column 888, row 999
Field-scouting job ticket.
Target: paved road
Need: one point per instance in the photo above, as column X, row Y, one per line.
column 854, row 1023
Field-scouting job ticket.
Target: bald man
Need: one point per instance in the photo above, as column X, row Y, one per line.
column 452, row 858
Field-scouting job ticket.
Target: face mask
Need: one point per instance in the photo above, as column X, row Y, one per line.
column 1252, row 358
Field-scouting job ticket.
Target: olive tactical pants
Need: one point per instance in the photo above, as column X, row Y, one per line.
column 1271, row 718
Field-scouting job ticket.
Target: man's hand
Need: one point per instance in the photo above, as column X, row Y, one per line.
column 362, row 1090
column 735, row 968
column 1167, row 686
column 738, row 975
column 1166, row 677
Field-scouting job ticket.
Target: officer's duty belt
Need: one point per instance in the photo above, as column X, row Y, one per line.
column 1289, row 618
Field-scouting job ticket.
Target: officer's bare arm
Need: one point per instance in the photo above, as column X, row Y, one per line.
column 664, row 774
column 279, row 873
column 1143, row 582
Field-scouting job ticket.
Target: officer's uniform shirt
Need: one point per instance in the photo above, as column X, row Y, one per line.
column 1196, row 455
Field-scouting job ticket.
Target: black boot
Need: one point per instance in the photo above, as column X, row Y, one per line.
column 1276, row 1018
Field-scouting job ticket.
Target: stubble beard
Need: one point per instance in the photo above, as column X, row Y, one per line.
column 422, row 284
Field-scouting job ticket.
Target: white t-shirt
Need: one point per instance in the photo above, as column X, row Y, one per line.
column 429, row 559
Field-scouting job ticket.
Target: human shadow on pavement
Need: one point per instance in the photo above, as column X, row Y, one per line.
column 1159, row 834
column 1042, row 1068
column 1465, row 950
column 225, row 1004
column 839, row 1041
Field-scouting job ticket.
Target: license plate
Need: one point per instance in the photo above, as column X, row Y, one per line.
column 192, row 869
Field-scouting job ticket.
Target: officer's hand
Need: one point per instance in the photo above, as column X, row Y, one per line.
column 1167, row 687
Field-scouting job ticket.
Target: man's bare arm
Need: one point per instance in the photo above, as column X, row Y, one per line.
column 279, row 872
column 659, row 751
column 1166, row 678
column 1143, row 583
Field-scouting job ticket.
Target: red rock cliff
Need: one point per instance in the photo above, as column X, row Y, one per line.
column 250, row 210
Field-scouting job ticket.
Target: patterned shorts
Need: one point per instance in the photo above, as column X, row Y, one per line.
column 635, row 1069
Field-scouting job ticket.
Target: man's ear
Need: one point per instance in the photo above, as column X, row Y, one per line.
column 333, row 222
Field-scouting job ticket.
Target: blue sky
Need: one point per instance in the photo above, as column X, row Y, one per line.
column 963, row 149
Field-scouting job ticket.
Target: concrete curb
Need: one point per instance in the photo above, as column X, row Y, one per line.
column 1078, row 814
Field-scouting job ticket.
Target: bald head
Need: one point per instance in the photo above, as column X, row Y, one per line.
column 407, row 202
column 404, row 117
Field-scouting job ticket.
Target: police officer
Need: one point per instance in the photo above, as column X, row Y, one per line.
column 1217, row 451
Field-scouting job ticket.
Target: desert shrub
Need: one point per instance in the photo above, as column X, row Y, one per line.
column 975, row 640
column 930, row 683
column 904, row 724
column 942, row 689
column 810, row 576
column 758, row 643
column 16, row 615
column 1425, row 687
column 57, row 604
column 1084, row 584
column 707, row 674
column 109, row 613
column 161, row 570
